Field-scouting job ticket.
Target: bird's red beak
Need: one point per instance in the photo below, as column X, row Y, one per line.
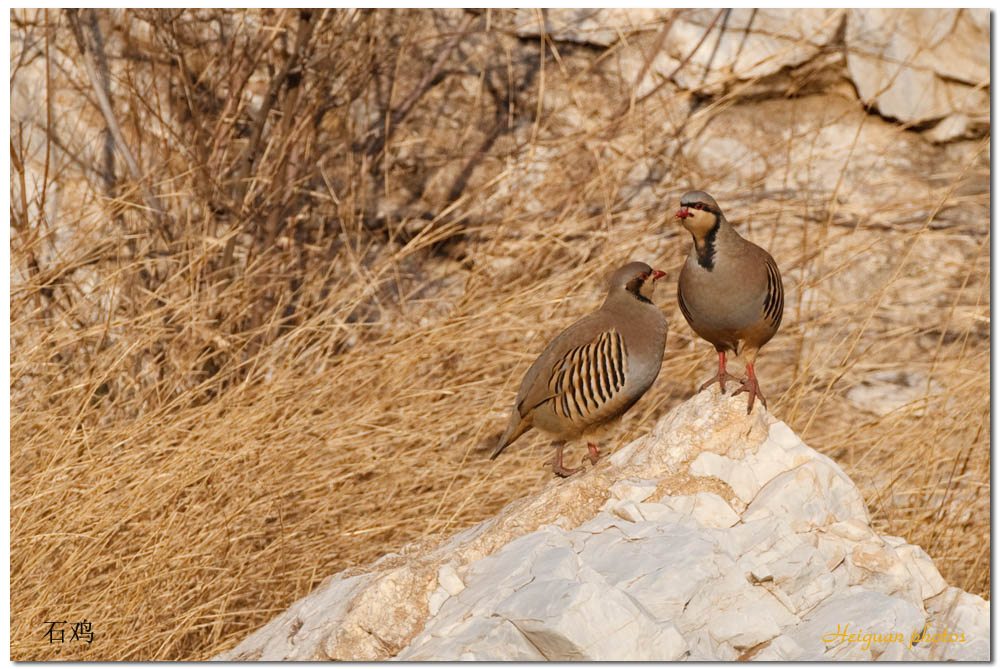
column 657, row 274
column 683, row 213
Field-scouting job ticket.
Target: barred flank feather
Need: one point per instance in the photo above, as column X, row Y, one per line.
column 774, row 301
column 588, row 377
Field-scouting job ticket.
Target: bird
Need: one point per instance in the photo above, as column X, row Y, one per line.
column 729, row 290
column 592, row 372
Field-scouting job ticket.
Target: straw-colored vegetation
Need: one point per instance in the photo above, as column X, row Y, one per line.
column 264, row 337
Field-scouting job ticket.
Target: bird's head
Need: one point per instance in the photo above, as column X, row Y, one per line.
column 638, row 279
column 699, row 213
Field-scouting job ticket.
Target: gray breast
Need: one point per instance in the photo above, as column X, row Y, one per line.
column 722, row 298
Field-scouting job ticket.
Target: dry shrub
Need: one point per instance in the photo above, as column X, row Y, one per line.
column 269, row 342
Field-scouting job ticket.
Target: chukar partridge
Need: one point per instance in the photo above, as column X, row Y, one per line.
column 729, row 290
column 594, row 370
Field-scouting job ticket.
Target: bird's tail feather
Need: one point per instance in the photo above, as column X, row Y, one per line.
column 515, row 428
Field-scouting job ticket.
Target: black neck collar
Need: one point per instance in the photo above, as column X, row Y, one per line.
column 633, row 287
column 706, row 249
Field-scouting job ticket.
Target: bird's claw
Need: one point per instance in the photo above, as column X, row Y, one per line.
column 557, row 464
column 750, row 385
column 559, row 469
column 721, row 377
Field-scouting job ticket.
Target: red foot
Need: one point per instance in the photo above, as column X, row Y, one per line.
column 594, row 455
column 557, row 464
column 751, row 386
column 721, row 377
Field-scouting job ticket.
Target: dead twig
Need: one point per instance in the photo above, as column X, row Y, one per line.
column 152, row 201
column 397, row 116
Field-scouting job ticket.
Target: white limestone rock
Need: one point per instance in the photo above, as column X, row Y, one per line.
column 812, row 495
column 913, row 65
column 738, row 476
column 747, row 43
column 450, row 580
column 918, row 65
column 598, row 27
column 707, row 508
column 959, row 627
column 570, row 620
column 825, row 634
column 878, row 567
column 729, row 615
column 852, row 529
column 922, row 569
column 477, row 639
column 634, row 490
column 779, row 649
column 717, row 536
column 832, row 549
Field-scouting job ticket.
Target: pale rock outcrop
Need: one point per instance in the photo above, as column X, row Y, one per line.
column 746, row 42
column 918, row 66
column 883, row 392
column 717, row 536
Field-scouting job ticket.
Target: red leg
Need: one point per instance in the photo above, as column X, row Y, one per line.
column 557, row 462
column 721, row 377
column 751, row 386
column 594, row 455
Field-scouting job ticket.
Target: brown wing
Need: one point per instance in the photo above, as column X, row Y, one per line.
column 680, row 301
column 590, row 373
column 589, row 377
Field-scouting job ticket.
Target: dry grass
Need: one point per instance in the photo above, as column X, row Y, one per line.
column 271, row 346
